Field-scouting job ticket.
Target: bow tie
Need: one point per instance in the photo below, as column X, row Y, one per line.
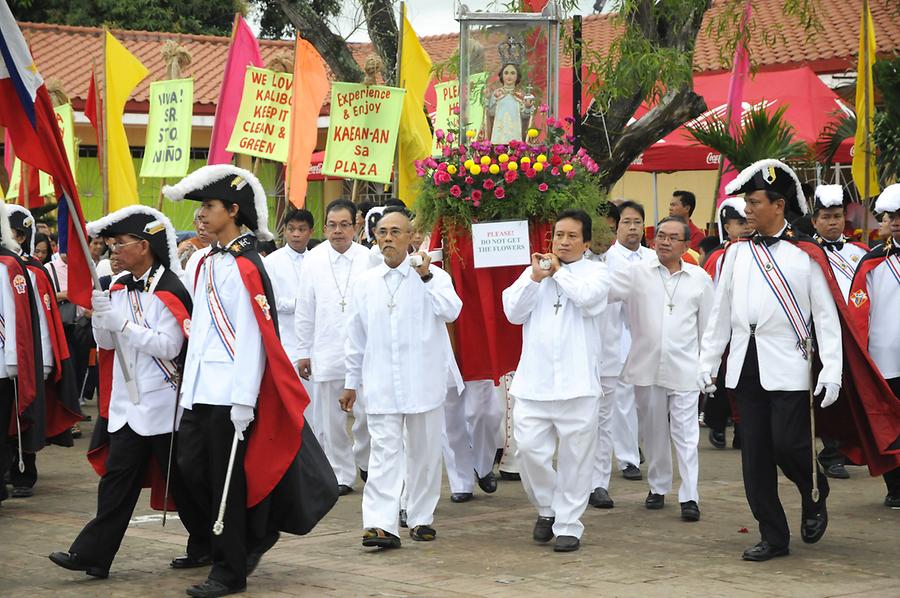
column 833, row 245
column 763, row 240
column 217, row 249
column 134, row 285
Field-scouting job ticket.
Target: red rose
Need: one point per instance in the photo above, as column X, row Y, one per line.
column 556, row 160
column 488, row 184
column 469, row 180
column 543, row 187
column 455, row 191
column 499, row 193
column 476, row 196
column 511, row 176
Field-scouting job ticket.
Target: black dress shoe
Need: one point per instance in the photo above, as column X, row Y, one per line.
column 256, row 555
column 690, row 511
column 717, row 439
column 567, row 544
column 190, row 562
column 403, row 523
column 73, row 563
column 837, row 471
column 22, row 492
column 344, row 490
column 364, row 475
column 763, row 552
column 543, row 529
column 600, row 499
column 212, row 588
column 632, row 472
column 488, row 483
column 509, row 476
column 813, row 526
column 461, row 497
column 892, row 501
column 655, row 501
column 736, row 441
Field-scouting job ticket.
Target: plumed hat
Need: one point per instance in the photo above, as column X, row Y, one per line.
column 145, row 223
column 774, row 176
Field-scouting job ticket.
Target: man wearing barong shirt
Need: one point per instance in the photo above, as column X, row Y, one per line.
column 667, row 302
column 559, row 300
column 397, row 350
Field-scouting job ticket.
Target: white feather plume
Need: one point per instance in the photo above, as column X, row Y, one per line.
column 95, row 227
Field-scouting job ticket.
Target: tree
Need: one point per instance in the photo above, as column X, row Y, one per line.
column 209, row 17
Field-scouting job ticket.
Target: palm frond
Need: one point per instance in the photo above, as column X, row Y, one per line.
column 833, row 135
column 762, row 135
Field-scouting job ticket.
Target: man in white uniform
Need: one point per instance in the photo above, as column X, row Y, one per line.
column 667, row 302
column 283, row 266
column 322, row 313
column 769, row 291
column 559, row 301
column 397, row 351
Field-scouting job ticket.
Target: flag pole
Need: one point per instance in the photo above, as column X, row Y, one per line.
column 24, row 187
column 104, row 131
column 396, row 179
column 867, row 132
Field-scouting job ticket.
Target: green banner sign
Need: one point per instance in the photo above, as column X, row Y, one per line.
column 362, row 131
column 66, row 121
column 263, row 125
column 168, row 146
column 446, row 115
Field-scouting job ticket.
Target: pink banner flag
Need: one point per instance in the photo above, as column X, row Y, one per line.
column 244, row 51
column 739, row 74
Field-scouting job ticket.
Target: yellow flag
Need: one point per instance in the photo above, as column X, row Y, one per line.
column 123, row 73
column 415, row 134
column 863, row 146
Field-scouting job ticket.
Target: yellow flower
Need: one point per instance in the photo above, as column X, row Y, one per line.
column 525, row 160
column 567, row 167
column 539, row 166
column 485, row 160
column 470, row 133
column 452, row 169
column 503, row 158
column 469, row 163
column 475, row 170
column 532, row 132
column 494, row 168
column 542, row 158
column 513, row 166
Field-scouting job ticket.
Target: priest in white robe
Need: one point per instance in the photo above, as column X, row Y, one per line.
column 559, row 300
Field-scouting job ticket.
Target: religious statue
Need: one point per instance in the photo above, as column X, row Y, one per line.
column 509, row 110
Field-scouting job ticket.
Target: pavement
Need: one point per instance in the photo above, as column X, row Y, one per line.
column 484, row 547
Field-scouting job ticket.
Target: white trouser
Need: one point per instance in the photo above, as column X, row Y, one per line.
column 604, row 452
column 568, row 428
column 663, row 413
column 313, row 413
column 414, row 458
column 625, row 427
column 507, row 442
column 470, row 443
column 345, row 452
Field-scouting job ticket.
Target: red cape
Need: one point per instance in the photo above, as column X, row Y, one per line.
column 25, row 342
column 866, row 419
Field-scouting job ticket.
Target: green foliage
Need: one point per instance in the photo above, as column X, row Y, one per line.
column 762, row 135
column 886, row 74
column 833, row 135
column 209, row 17
column 275, row 25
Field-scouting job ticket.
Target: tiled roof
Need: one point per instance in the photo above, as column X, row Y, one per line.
column 66, row 53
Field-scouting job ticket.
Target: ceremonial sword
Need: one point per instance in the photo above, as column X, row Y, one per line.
column 812, row 419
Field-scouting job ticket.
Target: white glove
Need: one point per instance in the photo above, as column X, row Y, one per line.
column 831, row 392
column 47, row 370
column 12, row 370
column 100, row 301
column 241, row 416
column 109, row 320
column 704, row 381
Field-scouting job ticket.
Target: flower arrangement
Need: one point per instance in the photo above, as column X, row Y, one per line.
column 475, row 180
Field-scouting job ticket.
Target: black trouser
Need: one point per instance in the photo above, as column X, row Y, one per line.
column 775, row 432
column 205, row 439
column 26, row 478
column 892, row 478
column 118, row 493
column 6, row 414
column 716, row 410
column 831, row 453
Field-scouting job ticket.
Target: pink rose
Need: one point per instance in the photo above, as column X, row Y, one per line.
column 476, row 203
column 455, row 191
column 529, row 174
column 439, row 134
column 469, row 180
column 499, row 193
column 554, row 171
column 488, row 184
column 570, row 174
column 511, row 176
column 442, row 177
column 476, row 196
column 543, row 187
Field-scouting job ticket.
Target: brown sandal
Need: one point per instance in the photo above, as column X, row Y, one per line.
column 378, row 538
column 423, row 533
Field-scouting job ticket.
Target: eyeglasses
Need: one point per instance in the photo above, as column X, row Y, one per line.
column 381, row 233
column 116, row 247
column 333, row 226
column 665, row 237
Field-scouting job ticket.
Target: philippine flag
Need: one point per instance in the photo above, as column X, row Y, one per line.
column 27, row 113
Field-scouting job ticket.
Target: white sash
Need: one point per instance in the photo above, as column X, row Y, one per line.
column 220, row 319
column 783, row 293
column 893, row 263
column 840, row 264
column 168, row 368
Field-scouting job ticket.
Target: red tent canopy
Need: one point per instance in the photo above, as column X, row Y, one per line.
column 811, row 105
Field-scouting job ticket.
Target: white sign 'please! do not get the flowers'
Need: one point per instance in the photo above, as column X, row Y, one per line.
column 503, row 243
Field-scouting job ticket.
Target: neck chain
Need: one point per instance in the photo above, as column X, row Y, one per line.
column 671, row 296
column 343, row 294
column 558, row 303
column 391, row 294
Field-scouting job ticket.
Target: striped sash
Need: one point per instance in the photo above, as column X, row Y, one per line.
column 893, row 263
column 840, row 264
column 780, row 287
column 168, row 368
column 220, row 319
column 2, row 331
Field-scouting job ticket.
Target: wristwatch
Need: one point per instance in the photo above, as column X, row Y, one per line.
column 427, row 277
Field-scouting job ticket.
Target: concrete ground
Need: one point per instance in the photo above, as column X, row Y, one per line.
column 484, row 547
